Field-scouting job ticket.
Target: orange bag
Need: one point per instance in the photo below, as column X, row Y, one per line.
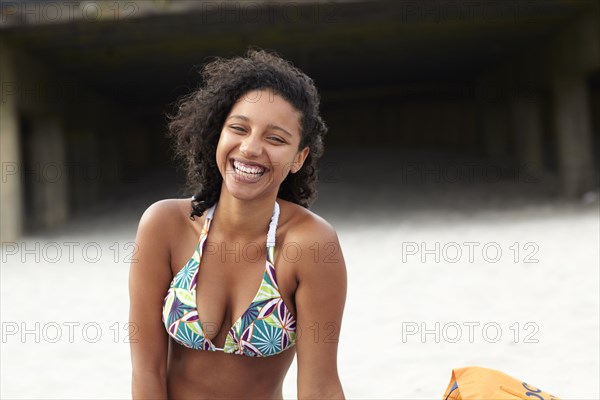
column 476, row 383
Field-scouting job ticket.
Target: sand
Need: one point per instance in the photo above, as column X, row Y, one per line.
column 531, row 311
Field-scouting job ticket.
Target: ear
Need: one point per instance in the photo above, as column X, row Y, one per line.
column 299, row 160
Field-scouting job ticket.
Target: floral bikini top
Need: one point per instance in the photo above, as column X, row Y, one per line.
column 266, row 328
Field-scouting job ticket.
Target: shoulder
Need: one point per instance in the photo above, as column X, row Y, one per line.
column 165, row 216
column 316, row 240
column 304, row 225
column 159, row 227
column 166, row 210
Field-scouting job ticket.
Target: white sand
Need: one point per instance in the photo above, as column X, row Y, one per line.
column 387, row 297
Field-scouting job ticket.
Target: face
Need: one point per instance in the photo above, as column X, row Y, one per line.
column 258, row 145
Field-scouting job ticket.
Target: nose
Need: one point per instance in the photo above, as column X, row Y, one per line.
column 251, row 146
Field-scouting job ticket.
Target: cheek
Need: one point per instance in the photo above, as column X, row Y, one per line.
column 224, row 143
column 286, row 161
column 221, row 153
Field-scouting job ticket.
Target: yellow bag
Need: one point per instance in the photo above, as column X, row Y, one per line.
column 476, row 383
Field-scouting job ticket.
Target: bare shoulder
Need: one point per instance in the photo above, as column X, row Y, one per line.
column 163, row 219
column 166, row 213
column 303, row 224
column 315, row 237
column 159, row 227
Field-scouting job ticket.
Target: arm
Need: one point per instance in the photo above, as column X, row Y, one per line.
column 320, row 300
column 149, row 279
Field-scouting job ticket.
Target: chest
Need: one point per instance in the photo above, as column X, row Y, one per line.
column 230, row 276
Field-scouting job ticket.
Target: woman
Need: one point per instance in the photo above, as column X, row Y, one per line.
column 203, row 324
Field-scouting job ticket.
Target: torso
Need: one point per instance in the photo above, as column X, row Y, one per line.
column 228, row 280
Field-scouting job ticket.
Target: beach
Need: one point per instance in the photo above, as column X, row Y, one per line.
column 440, row 275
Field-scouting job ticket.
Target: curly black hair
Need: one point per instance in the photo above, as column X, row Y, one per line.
column 200, row 115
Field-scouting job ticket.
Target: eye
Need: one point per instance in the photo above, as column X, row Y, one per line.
column 278, row 139
column 238, row 128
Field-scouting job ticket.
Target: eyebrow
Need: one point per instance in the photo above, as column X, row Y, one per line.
column 271, row 126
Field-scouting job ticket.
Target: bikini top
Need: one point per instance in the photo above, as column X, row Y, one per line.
column 266, row 328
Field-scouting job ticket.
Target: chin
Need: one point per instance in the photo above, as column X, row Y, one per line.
column 247, row 193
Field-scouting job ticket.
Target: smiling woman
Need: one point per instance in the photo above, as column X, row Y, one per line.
column 225, row 317
column 253, row 149
column 260, row 77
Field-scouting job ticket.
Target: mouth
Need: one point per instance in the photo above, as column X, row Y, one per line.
column 247, row 172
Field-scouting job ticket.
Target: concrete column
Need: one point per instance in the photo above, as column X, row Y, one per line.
column 527, row 126
column 50, row 173
column 495, row 129
column 574, row 134
column 11, row 217
column 576, row 55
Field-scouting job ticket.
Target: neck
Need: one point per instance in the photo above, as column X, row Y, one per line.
column 243, row 220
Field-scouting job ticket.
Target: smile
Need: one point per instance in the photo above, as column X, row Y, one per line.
column 248, row 169
column 247, row 173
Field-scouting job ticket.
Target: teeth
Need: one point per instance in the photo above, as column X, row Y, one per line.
column 248, row 169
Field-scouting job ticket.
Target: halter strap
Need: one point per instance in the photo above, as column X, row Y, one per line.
column 272, row 224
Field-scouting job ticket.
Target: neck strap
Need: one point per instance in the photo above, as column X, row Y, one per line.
column 272, row 224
